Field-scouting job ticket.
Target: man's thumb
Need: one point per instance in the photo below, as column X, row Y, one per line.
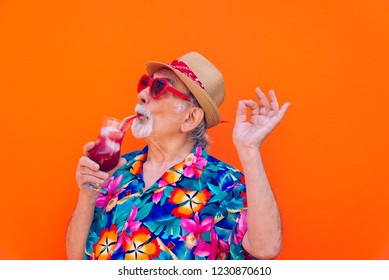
column 241, row 112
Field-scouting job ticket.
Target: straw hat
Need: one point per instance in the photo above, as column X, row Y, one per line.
column 202, row 78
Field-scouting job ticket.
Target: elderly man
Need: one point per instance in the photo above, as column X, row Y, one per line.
column 172, row 200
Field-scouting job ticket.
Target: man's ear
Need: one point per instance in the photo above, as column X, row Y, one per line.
column 193, row 119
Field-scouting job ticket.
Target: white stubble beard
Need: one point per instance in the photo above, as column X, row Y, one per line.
column 142, row 128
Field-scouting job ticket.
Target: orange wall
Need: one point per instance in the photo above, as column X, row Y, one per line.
column 64, row 64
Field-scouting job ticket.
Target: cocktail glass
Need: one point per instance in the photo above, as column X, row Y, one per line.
column 106, row 151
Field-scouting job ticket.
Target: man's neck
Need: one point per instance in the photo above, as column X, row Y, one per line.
column 162, row 157
column 168, row 152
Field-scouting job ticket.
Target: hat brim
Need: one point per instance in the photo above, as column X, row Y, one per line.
column 212, row 115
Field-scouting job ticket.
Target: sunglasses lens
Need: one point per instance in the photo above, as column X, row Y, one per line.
column 143, row 83
column 157, row 88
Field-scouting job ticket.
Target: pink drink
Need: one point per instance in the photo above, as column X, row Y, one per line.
column 106, row 152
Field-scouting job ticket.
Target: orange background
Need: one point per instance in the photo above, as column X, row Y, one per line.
column 64, row 64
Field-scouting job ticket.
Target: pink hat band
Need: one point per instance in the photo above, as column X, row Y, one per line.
column 184, row 69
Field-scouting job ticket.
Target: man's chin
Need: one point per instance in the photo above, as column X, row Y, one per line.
column 140, row 130
column 140, row 136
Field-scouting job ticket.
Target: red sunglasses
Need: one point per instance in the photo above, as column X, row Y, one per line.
column 158, row 86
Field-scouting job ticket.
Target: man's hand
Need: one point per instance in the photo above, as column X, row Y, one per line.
column 263, row 238
column 88, row 172
column 264, row 117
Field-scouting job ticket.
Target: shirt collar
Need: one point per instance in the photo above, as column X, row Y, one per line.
column 191, row 167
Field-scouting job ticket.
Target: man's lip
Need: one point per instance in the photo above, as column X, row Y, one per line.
column 141, row 115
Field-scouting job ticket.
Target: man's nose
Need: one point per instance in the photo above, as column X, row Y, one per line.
column 144, row 96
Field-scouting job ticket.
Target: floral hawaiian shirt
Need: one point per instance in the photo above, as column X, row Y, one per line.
column 197, row 210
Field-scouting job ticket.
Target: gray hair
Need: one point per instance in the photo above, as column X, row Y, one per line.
column 199, row 134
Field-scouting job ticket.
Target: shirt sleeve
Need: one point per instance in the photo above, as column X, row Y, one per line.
column 233, row 210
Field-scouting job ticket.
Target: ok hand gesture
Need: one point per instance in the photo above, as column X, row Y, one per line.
column 264, row 117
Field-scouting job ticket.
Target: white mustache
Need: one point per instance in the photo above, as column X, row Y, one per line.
column 142, row 110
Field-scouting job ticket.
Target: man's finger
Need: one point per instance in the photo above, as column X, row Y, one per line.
column 87, row 179
column 273, row 101
column 264, row 105
column 89, row 146
column 240, row 112
column 98, row 174
column 262, row 98
column 283, row 109
column 85, row 161
column 254, row 107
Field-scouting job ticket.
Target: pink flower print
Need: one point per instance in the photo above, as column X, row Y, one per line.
column 195, row 229
column 157, row 195
column 217, row 250
column 191, row 240
column 241, row 227
column 194, row 164
column 109, row 200
column 203, row 249
column 131, row 226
